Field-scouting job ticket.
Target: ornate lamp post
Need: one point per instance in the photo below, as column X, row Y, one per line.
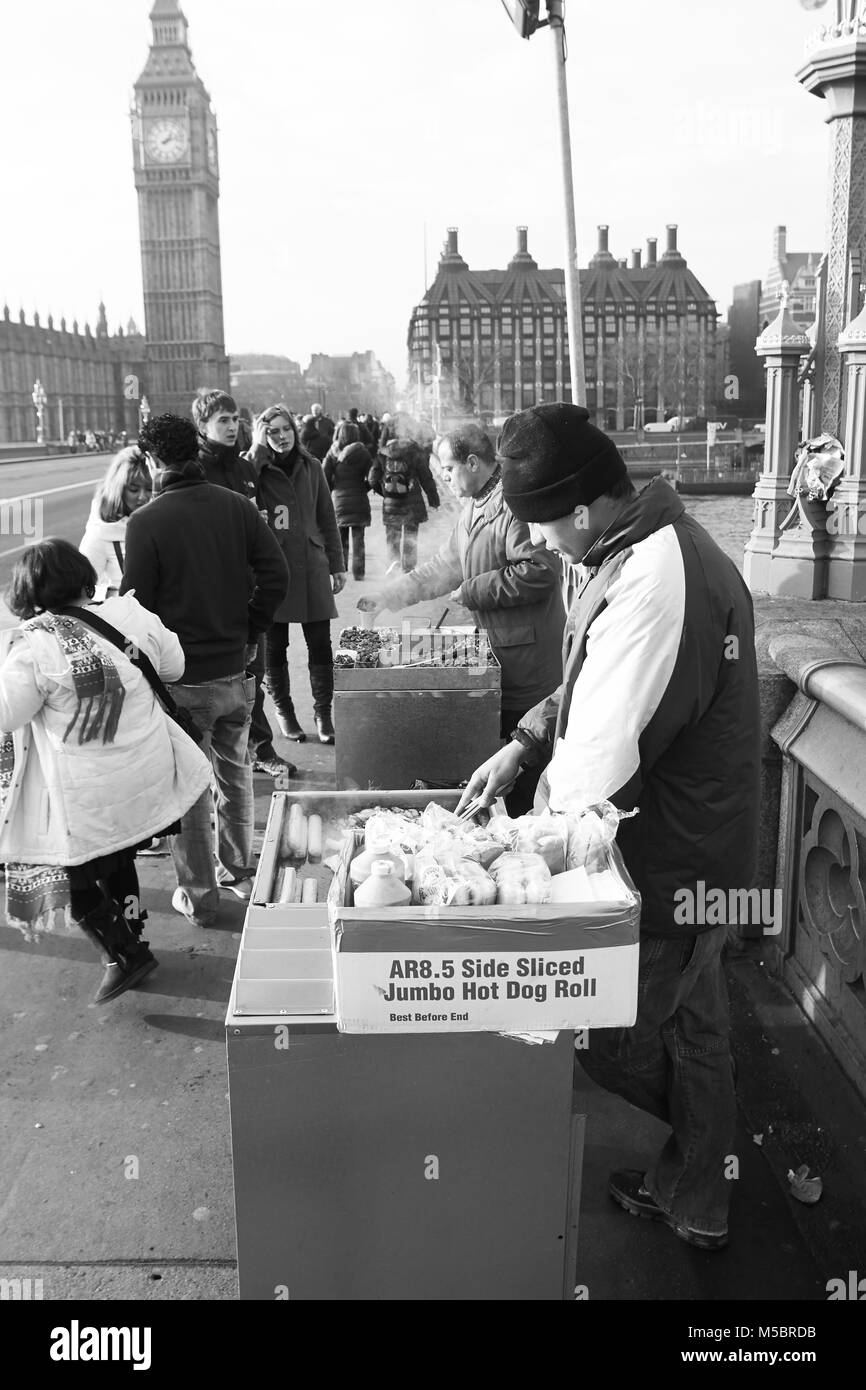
column 835, row 69
column 40, row 400
column 524, row 15
column 144, row 410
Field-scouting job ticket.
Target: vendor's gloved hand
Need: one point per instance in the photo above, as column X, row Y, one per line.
column 338, row 582
column 494, row 777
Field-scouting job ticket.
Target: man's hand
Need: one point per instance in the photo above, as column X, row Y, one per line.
column 251, row 651
column 339, row 582
column 494, row 777
column 455, row 595
column 372, row 603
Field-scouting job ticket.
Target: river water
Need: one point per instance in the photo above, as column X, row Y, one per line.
column 728, row 520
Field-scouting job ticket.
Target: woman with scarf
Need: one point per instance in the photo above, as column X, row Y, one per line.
column 346, row 467
column 294, row 495
column 91, row 767
column 125, row 487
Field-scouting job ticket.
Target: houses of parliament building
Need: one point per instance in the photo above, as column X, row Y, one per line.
column 96, row 379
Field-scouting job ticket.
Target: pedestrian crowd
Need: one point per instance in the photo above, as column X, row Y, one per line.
column 208, row 541
column 92, row 441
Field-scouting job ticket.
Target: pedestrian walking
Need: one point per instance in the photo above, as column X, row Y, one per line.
column 188, row 558
column 91, row 768
column 316, row 441
column 347, row 466
column 401, row 475
column 125, row 487
column 293, row 492
column 658, row 709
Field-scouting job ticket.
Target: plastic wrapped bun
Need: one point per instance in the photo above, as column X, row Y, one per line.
column 521, row 878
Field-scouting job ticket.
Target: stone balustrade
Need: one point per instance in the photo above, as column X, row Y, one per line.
column 813, row 681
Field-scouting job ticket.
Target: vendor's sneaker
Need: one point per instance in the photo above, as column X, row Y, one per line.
column 275, row 766
column 179, row 901
column 626, row 1187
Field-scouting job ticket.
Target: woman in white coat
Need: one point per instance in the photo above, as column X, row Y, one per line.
column 126, row 487
column 91, row 767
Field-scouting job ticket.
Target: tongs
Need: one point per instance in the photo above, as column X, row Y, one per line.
column 471, row 809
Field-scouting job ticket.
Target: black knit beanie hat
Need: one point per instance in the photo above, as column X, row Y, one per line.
column 554, row 460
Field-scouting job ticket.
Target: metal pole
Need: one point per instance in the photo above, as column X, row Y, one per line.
column 572, row 281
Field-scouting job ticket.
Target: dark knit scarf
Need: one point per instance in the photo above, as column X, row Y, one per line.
column 37, row 895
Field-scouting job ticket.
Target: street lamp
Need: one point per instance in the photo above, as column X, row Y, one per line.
column 524, row 16
column 144, row 410
column 40, row 400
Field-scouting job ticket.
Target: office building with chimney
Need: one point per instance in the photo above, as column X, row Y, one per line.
column 488, row 342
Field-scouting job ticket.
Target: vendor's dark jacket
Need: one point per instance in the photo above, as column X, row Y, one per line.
column 301, row 518
column 188, row 557
column 660, row 697
column 409, row 509
column 512, row 588
column 226, row 466
column 346, row 475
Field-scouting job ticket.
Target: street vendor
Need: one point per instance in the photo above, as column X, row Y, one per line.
column 658, row 709
column 510, row 584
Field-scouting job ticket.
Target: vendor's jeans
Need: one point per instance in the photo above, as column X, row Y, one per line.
column 676, row 1063
column 397, row 532
column 261, row 733
column 221, row 709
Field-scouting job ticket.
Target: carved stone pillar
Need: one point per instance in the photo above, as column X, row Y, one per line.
column 846, row 524
column 782, row 344
column 835, row 69
column 620, row 374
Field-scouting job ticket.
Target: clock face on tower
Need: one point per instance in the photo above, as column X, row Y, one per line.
column 166, row 140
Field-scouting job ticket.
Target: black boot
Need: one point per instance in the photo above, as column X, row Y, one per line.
column 322, row 682
column 276, row 683
column 127, row 959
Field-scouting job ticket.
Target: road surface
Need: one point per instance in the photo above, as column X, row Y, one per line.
column 44, row 497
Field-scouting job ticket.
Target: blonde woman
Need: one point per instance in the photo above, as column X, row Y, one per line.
column 125, row 487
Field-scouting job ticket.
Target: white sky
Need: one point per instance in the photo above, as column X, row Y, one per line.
column 347, row 125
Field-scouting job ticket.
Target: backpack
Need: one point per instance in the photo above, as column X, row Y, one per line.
column 397, row 476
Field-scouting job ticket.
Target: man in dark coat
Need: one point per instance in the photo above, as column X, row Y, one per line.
column 316, row 441
column 658, row 709
column 217, row 419
column 189, row 561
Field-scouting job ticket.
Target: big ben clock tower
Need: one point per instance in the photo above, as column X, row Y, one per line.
column 177, row 177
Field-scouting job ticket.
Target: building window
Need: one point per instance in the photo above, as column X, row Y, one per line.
column 507, row 328
column 465, row 330
column 528, row 396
